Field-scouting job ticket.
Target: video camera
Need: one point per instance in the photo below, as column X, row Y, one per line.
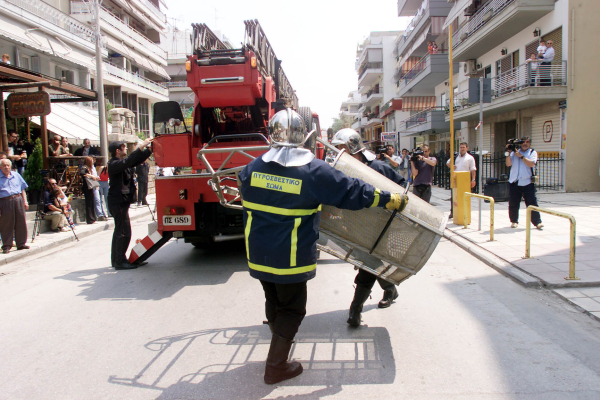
column 513, row 145
column 414, row 156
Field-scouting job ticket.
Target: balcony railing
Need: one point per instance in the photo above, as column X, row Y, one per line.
column 375, row 90
column 176, row 84
column 367, row 66
column 155, row 87
column 411, row 27
column 422, row 117
column 114, row 21
column 521, row 77
column 479, row 19
column 56, row 17
column 154, row 9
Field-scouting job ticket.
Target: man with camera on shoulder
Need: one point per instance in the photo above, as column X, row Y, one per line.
column 423, row 167
column 521, row 159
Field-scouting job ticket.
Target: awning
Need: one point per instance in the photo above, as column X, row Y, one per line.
column 73, row 122
column 395, row 104
column 136, row 57
column 418, row 103
column 455, row 11
column 422, row 37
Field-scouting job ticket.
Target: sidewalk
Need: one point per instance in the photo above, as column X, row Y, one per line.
column 48, row 240
column 549, row 262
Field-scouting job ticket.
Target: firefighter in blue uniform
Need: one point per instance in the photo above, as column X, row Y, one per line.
column 282, row 192
column 350, row 140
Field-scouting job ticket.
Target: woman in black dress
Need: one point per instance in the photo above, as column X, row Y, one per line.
column 88, row 192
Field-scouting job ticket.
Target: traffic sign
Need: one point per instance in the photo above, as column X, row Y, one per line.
column 388, row 136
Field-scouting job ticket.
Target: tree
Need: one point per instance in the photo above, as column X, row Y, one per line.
column 344, row 121
column 34, row 164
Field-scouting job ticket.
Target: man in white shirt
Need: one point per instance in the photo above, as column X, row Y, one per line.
column 545, row 68
column 521, row 163
column 463, row 162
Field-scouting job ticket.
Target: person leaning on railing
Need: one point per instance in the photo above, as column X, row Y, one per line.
column 521, row 163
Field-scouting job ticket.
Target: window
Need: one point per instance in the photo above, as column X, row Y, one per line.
column 24, row 62
column 144, row 117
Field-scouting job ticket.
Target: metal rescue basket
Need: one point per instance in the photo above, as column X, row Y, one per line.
column 405, row 246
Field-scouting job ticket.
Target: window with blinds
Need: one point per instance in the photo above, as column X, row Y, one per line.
column 531, row 48
column 556, row 37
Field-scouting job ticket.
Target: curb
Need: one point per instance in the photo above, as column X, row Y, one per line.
column 36, row 249
column 492, row 260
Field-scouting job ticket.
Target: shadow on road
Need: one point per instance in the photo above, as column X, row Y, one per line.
column 172, row 268
column 229, row 363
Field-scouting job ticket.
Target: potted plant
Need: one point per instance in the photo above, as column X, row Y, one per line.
column 32, row 173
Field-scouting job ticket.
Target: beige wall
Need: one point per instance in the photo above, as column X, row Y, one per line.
column 583, row 118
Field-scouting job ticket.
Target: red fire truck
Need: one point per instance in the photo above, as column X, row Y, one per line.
column 236, row 92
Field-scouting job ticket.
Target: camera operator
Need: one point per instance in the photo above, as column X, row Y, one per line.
column 423, row 169
column 463, row 162
column 390, row 158
column 404, row 164
column 349, row 140
column 521, row 162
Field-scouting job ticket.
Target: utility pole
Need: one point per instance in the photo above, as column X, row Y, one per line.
column 100, row 83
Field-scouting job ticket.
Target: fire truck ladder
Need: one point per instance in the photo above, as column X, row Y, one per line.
column 203, row 39
column 269, row 64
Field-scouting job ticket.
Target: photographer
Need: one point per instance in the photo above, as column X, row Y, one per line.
column 423, row 168
column 463, row 162
column 389, row 158
column 521, row 159
column 404, row 164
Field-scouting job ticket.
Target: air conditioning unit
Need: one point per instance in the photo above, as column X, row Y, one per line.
column 479, row 66
column 469, row 67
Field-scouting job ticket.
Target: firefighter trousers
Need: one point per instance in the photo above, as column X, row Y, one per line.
column 285, row 307
column 367, row 280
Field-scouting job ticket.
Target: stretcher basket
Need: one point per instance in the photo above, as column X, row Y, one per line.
column 404, row 248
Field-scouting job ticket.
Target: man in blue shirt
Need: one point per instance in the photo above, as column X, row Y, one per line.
column 521, row 163
column 13, row 203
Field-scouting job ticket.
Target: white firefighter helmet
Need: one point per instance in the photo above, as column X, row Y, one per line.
column 287, row 134
column 352, row 140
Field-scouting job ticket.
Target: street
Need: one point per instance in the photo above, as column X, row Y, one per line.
column 189, row 326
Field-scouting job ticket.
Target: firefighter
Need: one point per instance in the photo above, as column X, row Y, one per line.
column 349, row 140
column 282, row 192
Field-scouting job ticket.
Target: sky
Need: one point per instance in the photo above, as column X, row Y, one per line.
column 316, row 40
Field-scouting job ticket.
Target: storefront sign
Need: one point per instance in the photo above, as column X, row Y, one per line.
column 388, row 136
column 21, row 105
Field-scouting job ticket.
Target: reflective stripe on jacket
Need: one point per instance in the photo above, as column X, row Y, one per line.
column 282, row 213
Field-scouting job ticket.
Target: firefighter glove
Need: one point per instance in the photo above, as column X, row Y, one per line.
column 397, row 202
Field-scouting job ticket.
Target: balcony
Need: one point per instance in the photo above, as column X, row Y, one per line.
column 369, row 73
column 422, row 79
column 494, row 23
column 373, row 96
column 406, row 8
column 120, row 29
column 55, row 17
column 137, row 81
column 152, row 11
column 521, row 87
column 432, row 120
column 412, row 33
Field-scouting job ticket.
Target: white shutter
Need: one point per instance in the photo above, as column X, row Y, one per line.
column 487, row 137
column 35, row 64
column 545, row 132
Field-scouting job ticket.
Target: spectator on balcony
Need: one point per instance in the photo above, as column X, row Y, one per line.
column 434, row 48
column 541, row 49
column 532, row 61
column 56, row 149
column 423, row 172
column 430, row 47
column 6, row 58
column 86, row 150
column 65, row 143
column 545, row 69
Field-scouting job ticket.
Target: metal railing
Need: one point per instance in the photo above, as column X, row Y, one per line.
column 55, row 17
column 113, row 70
column 421, row 117
column 177, row 84
column 532, row 74
column 375, row 90
column 411, row 26
column 467, row 210
column 479, row 19
column 366, row 66
column 78, row 7
column 571, row 242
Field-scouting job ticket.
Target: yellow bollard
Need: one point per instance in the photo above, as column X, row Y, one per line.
column 463, row 184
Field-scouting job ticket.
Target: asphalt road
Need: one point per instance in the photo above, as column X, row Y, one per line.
column 189, row 326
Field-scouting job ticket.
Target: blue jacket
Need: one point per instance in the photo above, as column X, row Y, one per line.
column 387, row 171
column 282, row 214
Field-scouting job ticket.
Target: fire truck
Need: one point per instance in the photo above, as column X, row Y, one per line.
column 236, row 92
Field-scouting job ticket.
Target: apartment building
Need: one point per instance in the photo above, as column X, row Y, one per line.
column 135, row 63
column 375, row 67
column 422, row 64
column 351, row 105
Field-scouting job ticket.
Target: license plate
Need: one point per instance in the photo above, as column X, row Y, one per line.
column 177, row 220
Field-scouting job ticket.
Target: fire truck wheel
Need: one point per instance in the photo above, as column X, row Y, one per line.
column 306, row 115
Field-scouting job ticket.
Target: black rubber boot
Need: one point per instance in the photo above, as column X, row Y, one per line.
column 278, row 368
column 389, row 295
column 361, row 294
